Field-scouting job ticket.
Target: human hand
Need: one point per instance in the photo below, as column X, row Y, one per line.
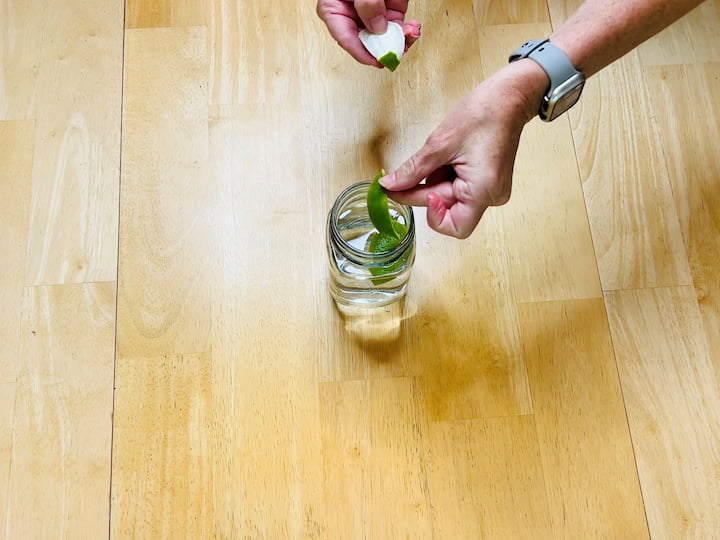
column 467, row 162
column 345, row 19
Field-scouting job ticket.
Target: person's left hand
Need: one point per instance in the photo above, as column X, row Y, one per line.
column 345, row 18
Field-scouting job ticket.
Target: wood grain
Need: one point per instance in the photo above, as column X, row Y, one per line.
column 591, row 476
column 483, row 373
column 373, row 453
column 560, row 10
column 16, row 156
column 487, row 405
column 694, row 173
column 60, row 471
column 162, row 13
column 21, row 30
column 167, row 196
column 500, row 12
column 7, row 413
column 266, row 340
column 672, row 391
column 267, row 472
column 550, row 250
column 627, row 187
column 177, row 499
column 369, row 343
column 486, row 479
column 260, row 269
column 398, row 471
column 692, row 39
column 347, row 456
column 74, row 213
column 257, row 50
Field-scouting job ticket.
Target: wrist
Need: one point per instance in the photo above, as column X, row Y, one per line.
column 576, row 50
column 527, row 82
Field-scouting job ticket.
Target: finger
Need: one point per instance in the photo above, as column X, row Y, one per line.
column 439, row 181
column 345, row 31
column 418, row 196
column 411, row 30
column 459, row 220
column 446, row 173
column 436, row 152
column 373, row 14
column 397, row 5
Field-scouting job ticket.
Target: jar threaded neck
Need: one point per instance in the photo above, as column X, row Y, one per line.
column 353, row 200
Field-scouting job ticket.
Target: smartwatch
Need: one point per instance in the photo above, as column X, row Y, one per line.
column 566, row 82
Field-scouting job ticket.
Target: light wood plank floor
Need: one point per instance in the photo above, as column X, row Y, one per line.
column 172, row 366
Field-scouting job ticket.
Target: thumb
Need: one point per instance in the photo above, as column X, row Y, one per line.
column 428, row 159
column 373, row 14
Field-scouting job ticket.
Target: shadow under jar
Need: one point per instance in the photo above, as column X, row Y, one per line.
column 359, row 277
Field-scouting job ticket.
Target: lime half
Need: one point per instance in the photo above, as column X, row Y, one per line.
column 387, row 48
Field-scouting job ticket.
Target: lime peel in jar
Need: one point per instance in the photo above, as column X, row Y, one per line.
column 389, row 231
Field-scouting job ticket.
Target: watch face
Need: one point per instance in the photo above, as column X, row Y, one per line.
column 562, row 98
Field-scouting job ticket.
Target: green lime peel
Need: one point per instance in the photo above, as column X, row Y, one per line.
column 389, row 234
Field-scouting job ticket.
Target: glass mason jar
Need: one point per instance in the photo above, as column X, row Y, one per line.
column 359, row 277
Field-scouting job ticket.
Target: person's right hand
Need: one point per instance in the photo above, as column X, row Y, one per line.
column 345, row 19
column 467, row 162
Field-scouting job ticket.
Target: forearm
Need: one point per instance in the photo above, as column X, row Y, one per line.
column 467, row 162
column 601, row 31
column 597, row 34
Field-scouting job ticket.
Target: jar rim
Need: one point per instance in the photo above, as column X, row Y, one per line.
column 397, row 251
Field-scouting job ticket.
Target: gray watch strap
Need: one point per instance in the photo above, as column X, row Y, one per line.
column 526, row 48
column 553, row 61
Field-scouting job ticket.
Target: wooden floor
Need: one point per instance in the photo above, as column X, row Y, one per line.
column 171, row 363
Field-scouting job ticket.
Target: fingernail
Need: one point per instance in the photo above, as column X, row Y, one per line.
column 387, row 181
column 378, row 24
